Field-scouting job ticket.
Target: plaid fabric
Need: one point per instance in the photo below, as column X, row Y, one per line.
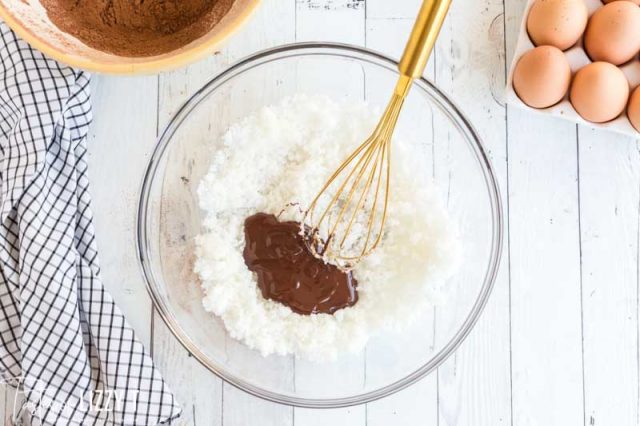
column 62, row 339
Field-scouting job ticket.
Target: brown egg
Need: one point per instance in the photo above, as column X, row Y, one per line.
column 558, row 23
column 613, row 33
column 599, row 92
column 633, row 110
column 610, row 1
column 542, row 76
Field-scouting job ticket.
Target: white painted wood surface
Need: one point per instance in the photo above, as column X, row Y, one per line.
column 558, row 342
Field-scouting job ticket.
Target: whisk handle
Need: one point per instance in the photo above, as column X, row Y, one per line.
column 423, row 37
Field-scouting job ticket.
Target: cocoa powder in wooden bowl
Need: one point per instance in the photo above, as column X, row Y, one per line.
column 126, row 36
column 136, row 27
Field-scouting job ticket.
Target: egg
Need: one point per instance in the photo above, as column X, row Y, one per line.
column 633, row 110
column 599, row 92
column 613, row 33
column 558, row 23
column 542, row 76
column 632, row 1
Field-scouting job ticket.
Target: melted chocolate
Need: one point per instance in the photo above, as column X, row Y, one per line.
column 288, row 273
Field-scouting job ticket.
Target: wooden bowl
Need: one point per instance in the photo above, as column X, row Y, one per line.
column 29, row 20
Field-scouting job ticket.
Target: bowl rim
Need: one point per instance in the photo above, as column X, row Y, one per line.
column 446, row 106
column 164, row 63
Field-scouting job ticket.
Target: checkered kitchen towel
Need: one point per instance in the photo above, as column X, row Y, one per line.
column 62, row 339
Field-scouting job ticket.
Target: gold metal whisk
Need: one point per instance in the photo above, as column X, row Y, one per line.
column 360, row 187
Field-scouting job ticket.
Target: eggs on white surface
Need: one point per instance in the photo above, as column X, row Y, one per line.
column 558, row 23
column 613, row 33
column 609, row 39
column 599, row 92
column 542, row 77
column 633, row 110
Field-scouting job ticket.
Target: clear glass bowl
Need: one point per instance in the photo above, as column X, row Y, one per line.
column 169, row 218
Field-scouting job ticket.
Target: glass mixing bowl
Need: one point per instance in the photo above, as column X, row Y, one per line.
column 169, row 218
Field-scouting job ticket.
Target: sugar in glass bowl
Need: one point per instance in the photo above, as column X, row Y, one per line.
column 169, row 219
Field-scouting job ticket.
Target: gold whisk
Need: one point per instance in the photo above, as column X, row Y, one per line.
column 334, row 234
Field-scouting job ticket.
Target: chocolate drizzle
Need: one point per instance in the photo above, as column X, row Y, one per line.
column 288, row 273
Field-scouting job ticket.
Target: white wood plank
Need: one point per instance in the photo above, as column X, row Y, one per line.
column 545, row 272
column 417, row 404
column 124, row 122
column 609, row 172
column 545, row 264
column 272, row 25
column 350, row 416
column 389, row 36
column 385, row 9
column 3, row 401
column 474, row 384
column 242, row 409
column 330, row 20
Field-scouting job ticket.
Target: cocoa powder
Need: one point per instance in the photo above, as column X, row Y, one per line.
column 136, row 27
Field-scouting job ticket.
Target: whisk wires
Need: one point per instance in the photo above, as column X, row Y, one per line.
column 357, row 192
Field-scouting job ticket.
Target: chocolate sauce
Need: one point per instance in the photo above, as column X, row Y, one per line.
column 288, row 273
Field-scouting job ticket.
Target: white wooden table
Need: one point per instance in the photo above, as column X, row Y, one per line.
column 558, row 342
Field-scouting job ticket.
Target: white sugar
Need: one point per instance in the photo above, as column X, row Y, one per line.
column 283, row 154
